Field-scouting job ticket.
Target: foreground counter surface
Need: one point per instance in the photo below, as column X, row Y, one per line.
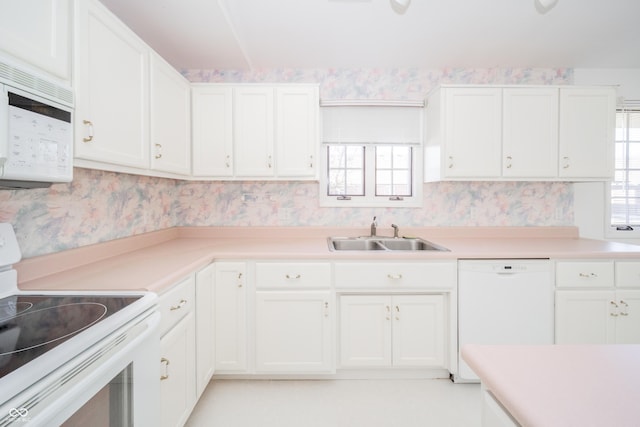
column 562, row 385
column 155, row 261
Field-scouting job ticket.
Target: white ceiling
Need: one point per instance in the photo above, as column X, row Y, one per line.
column 254, row 34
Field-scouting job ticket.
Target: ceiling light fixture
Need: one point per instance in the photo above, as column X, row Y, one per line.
column 400, row 6
column 544, row 6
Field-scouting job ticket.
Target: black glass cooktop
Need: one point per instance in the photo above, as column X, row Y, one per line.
column 31, row 325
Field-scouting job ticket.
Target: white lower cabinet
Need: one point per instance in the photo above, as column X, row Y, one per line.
column 230, row 317
column 397, row 330
column 205, row 342
column 293, row 331
column 598, row 302
column 177, row 353
column 177, row 388
column 598, row 317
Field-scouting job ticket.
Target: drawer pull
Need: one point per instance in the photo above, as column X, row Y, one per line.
column 165, row 365
column 588, row 275
column 179, row 306
column 388, row 313
column 396, row 276
column 293, row 276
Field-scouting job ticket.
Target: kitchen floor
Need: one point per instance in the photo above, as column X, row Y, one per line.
column 338, row 403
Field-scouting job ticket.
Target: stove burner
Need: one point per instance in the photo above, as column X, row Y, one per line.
column 51, row 324
column 11, row 308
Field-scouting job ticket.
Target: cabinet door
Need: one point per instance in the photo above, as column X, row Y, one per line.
column 530, row 133
column 254, row 131
column 170, row 119
column 293, row 331
column 230, row 317
column 205, row 345
column 177, row 380
column 297, row 115
column 628, row 319
column 587, row 123
column 472, row 132
column 585, row 317
column 418, row 330
column 38, row 33
column 112, row 94
column 212, row 131
column 365, row 331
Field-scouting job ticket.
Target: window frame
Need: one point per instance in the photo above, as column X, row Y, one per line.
column 370, row 199
column 610, row 230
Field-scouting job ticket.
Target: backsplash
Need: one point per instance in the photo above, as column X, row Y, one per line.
column 99, row 206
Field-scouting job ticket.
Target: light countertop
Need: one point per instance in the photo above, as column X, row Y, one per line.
column 154, row 261
column 562, row 385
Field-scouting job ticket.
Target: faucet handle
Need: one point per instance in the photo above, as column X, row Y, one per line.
column 395, row 230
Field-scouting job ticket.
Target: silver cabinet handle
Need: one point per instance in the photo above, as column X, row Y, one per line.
column 293, row 276
column 89, row 125
column 396, row 276
column 509, row 158
column 388, row 315
column 239, row 280
column 450, row 162
column 326, row 309
column 311, row 162
column 588, row 275
column 269, row 161
column 613, row 313
column 625, row 308
column 179, row 306
column 165, row 365
column 227, row 162
column 158, row 151
column 397, row 312
column 566, row 162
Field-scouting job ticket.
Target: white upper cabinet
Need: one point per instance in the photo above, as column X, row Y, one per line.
column 587, row 126
column 170, row 119
column 255, row 131
column 112, row 91
column 212, row 130
column 297, row 131
column 38, row 33
column 519, row 133
column 472, row 128
column 530, row 133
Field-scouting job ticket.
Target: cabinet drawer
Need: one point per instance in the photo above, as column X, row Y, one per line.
column 175, row 303
column 293, row 275
column 590, row 274
column 628, row 274
column 440, row 275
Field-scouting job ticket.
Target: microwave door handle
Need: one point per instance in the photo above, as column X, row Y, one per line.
column 4, row 130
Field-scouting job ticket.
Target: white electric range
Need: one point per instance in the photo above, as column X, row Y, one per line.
column 69, row 358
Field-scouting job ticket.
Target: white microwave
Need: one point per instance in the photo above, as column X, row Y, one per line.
column 36, row 138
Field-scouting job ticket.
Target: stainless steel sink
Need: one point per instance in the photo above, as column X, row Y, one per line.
column 381, row 244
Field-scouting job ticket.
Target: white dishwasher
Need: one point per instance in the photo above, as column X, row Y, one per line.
column 506, row 301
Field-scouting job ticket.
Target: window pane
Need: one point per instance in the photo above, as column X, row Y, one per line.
column 346, row 170
column 625, row 189
column 634, row 126
column 393, row 171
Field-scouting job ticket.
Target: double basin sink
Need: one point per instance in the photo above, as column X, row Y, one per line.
column 374, row 243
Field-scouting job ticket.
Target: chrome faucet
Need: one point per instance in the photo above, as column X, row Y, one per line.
column 374, row 226
column 395, row 231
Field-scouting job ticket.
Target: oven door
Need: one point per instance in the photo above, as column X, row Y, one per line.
column 113, row 383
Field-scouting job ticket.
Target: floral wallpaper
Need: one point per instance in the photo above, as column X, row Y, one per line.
column 99, row 206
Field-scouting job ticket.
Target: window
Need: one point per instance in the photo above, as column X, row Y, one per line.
column 371, row 175
column 371, row 154
column 625, row 188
